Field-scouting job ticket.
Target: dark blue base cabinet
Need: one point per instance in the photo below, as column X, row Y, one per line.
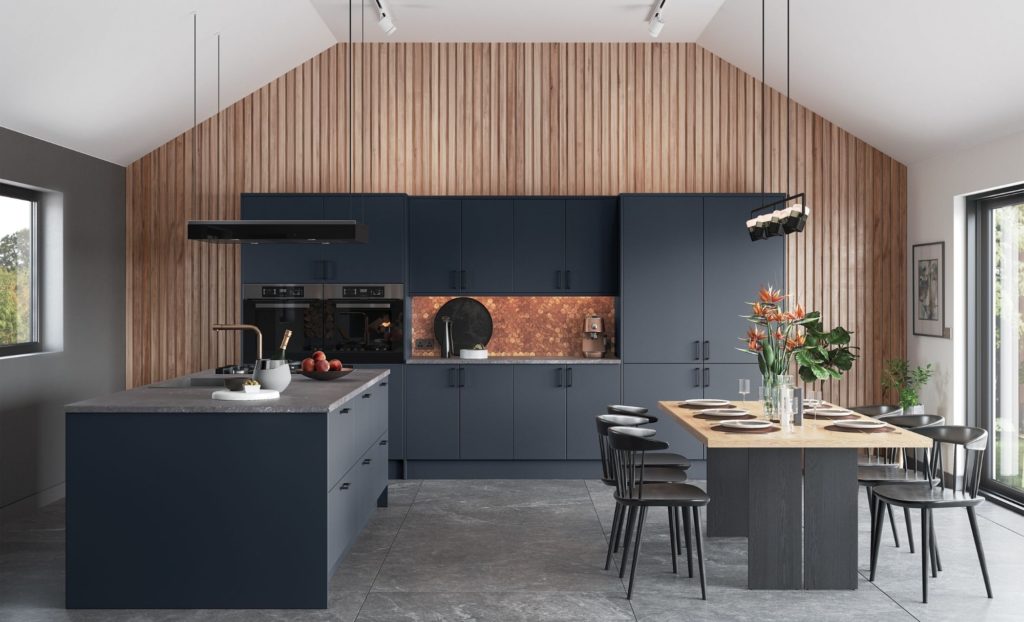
column 209, row 511
column 506, row 420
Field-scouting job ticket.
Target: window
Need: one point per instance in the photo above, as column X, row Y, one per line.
column 999, row 339
column 19, row 301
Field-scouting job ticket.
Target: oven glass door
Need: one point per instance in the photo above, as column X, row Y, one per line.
column 364, row 330
column 305, row 318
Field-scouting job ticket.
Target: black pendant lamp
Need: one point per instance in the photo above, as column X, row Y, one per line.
column 788, row 215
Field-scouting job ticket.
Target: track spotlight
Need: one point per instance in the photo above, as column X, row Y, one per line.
column 657, row 23
column 386, row 23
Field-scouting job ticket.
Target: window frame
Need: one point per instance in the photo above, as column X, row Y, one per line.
column 35, row 344
column 980, row 314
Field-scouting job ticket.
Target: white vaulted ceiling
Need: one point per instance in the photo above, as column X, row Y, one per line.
column 113, row 78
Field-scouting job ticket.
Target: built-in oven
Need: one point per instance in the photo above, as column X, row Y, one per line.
column 364, row 323
column 274, row 308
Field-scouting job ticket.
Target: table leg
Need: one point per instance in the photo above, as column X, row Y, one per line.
column 775, row 542
column 830, row 519
column 727, row 486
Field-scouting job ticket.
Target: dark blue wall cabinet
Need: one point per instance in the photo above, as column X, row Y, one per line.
column 486, row 245
column 589, row 390
column 282, row 263
column 540, row 412
column 460, row 245
column 662, row 279
column 432, row 412
column 485, row 407
column 540, row 246
column 381, row 260
column 566, row 246
column 592, row 246
column 435, row 245
column 646, row 384
column 734, row 269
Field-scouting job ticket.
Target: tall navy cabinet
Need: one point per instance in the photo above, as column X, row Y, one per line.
column 688, row 270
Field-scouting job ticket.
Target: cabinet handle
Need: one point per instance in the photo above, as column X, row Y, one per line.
column 383, row 442
column 568, row 275
column 462, row 376
column 696, row 350
column 558, row 279
column 344, row 486
column 384, row 384
column 561, row 377
column 696, row 376
column 366, row 461
column 463, row 279
column 707, row 350
column 707, row 377
column 451, row 279
column 344, row 411
column 451, row 376
column 568, row 375
column 366, row 396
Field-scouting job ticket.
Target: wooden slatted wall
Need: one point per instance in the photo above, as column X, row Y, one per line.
column 494, row 118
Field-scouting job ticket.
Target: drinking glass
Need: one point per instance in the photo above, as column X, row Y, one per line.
column 744, row 388
column 810, row 396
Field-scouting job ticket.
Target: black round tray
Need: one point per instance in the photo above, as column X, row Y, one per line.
column 471, row 323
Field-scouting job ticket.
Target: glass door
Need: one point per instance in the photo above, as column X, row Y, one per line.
column 1000, row 346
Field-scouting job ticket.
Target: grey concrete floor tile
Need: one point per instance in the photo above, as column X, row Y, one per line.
column 496, row 606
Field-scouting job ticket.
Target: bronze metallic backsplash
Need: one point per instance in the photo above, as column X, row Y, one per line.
column 523, row 325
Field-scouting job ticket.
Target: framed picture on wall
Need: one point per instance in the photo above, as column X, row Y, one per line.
column 929, row 278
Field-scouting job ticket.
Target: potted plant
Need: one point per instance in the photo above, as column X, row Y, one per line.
column 826, row 355
column 906, row 383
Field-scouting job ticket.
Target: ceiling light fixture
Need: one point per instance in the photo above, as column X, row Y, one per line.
column 657, row 22
column 386, row 23
column 786, row 219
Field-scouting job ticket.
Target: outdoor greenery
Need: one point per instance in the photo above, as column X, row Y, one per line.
column 905, row 382
column 15, row 288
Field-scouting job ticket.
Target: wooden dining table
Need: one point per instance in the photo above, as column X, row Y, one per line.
column 791, row 492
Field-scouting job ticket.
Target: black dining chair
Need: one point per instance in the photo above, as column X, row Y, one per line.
column 629, row 448
column 928, row 498
column 873, row 475
column 661, row 458
column 658, row 473
column 880, row 411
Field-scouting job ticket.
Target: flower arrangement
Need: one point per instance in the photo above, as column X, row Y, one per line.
column 775, row 334
column 779, row 335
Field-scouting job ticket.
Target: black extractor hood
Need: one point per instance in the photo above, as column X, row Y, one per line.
column 279, row 231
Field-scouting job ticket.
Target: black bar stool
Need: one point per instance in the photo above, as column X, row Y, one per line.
column 660, row 473
column 870, row 476
column 629, row 449
column 931, row 497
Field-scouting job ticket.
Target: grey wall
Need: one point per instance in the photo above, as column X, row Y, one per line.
column 34, row 388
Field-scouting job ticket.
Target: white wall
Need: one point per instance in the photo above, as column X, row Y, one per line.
column 936, row 212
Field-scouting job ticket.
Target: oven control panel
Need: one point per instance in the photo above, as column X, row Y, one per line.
column 283, row 291
column 363, row 291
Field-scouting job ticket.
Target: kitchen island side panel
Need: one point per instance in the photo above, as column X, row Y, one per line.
column 220, row 510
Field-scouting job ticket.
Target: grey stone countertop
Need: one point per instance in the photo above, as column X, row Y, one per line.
column 512, row 360
column 191, row 394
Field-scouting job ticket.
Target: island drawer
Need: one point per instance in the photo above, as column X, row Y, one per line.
column 351, row 501
column 353, row 428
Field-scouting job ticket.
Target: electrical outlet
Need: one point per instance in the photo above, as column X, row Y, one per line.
column 425, row 344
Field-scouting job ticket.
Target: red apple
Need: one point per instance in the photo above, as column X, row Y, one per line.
column 319, row 356
column 335, row 364
column 322, row 366
column 308, row 365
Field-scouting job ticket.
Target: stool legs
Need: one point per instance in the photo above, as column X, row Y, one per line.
column 700, row 552
column 978, row 547
column 613, row 536
column 636, row 550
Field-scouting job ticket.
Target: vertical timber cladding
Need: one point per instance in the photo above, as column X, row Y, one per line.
column 512, row 119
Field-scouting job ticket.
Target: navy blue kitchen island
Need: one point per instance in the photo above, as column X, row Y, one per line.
column 175, row 500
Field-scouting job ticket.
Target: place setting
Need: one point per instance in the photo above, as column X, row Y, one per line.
column 747, row 426
column 861, row 426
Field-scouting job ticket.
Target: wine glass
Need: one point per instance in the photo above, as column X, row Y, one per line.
column 744, row 388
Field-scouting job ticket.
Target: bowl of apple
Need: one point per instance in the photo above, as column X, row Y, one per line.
column 318, row 367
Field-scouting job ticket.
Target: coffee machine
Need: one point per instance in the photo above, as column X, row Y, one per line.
column 594, row 341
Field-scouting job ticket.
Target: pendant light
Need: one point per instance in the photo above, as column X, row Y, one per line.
column 766, row 222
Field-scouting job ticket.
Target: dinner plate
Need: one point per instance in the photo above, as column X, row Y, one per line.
column 813, row 403
column 827, row 413
column 860, row 424
column 725, row 413
column 747, row 424
column 706, row 402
